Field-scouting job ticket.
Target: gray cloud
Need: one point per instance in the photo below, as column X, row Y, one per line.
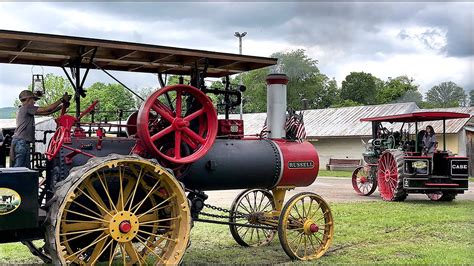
column 355, row 30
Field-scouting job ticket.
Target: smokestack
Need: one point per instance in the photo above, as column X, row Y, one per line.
column 276, row 105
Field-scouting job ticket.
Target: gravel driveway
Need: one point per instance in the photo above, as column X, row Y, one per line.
column 332, row 189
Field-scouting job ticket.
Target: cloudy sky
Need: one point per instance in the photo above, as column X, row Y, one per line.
column 430, row 42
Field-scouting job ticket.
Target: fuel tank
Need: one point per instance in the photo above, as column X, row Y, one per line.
column 253, row 163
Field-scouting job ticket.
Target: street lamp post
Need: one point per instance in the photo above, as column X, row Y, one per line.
column 240, row 36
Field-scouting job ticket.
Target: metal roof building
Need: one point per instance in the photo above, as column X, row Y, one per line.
column 345, row 121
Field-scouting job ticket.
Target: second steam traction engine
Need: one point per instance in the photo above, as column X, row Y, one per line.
column 134, row 198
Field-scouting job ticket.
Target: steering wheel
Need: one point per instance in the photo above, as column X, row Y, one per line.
column 180, row 115
column 55, row 143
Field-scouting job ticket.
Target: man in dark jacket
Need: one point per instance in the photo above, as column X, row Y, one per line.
column 25, row 126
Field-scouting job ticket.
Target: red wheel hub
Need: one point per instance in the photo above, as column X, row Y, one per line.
column 125, row 227
column 313, row 228
column 178, row 124
column 363, row 180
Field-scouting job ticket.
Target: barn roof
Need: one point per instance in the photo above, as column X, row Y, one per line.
column 345, row 121
column 29, row 48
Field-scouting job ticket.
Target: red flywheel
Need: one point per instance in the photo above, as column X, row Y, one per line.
column 177, row 123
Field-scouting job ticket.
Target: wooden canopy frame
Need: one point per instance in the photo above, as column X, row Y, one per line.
column 56, row 50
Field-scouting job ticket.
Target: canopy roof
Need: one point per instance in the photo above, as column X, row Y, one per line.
column 56, row 50
column 417, row 117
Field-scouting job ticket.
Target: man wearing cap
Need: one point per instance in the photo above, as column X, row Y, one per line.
column 25, row 126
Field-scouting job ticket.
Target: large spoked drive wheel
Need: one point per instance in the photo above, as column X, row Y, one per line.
column 183, row 115
column 120, row 209
column 254, row 207
column 362, row 181
column 389, row 176
column 306, row 227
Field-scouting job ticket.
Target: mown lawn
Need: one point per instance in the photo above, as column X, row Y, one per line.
column 335, row 173
column 412, row 232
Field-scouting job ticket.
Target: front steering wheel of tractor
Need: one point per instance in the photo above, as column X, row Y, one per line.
column 186, row 113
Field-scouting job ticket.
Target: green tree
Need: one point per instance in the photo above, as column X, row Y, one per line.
column 305, row 82
column 255, row 97
column 174, row 79
column 112, row 98
column 346, row 103
column 411, row 96
column 359, row 87
column 399, row 89
column 446, row 94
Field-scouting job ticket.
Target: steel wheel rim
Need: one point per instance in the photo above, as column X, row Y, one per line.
column 159, row 227
column 258, row 204
column 361, row 182
column 300, row 239
column 387, row 175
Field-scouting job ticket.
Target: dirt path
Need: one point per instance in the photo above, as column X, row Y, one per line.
column 332, row 189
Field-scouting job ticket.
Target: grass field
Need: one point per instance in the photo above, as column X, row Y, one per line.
column 335, row 173
column 409, row 232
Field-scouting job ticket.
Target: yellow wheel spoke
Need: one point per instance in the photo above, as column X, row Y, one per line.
column 136, row 186
column 120, row 199
column 156, row 226
column 72, row 238
column 82, row 231
column 134, row 256
column 79, row 204
column 151, row 250
column 87, row 216
column 137, row 207
column 98, row 250
column 160, row 236
column 79, row 252
column 157, row 206
column 124, row 255
column 69, row 227
column 106, row 189
column 97, row 201
column 127, row 191
column 161, row 220
column 113, row 251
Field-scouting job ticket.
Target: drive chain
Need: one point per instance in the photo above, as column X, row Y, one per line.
column 238, row 215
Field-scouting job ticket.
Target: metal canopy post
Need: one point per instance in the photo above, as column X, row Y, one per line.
column 444, row 134
column 416, row 136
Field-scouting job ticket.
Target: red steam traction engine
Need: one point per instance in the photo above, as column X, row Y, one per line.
column 134, row 198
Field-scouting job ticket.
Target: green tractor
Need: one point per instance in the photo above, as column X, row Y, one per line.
column 396, row 164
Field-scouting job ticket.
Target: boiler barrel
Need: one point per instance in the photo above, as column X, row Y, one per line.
column 257, row 163
column 235, row 164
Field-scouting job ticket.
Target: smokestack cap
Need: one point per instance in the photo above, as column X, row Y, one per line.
column 277, row 79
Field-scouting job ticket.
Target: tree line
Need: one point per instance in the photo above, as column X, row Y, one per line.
column 308, row 88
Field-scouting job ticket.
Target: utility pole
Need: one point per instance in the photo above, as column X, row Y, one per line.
column 240, row 36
